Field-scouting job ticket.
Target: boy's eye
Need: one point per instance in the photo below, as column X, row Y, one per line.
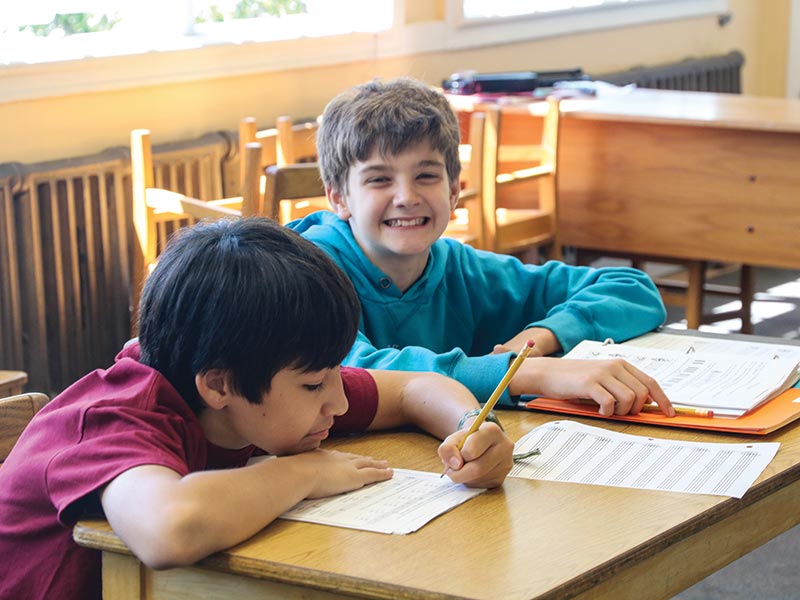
column 377, row 180
column 313, row 387
column 429, row 176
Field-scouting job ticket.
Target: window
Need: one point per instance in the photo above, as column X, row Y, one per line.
column 554, row 17
column 37, row 31
column 483, row 9
column 475, row 23
column 56, row 47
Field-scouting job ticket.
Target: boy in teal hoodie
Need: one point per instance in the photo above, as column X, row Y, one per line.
column 388, row 155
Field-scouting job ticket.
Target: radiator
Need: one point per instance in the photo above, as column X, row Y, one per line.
column 709, row 74
column 66, row 250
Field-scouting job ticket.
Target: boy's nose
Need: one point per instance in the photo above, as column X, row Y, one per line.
column 337, row 402
column 406, row 194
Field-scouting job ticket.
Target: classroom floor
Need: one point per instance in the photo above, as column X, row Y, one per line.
column 769, row 572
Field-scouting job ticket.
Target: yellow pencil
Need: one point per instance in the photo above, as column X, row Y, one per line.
column 498, row 391
column 680, row 410
column 654, row 408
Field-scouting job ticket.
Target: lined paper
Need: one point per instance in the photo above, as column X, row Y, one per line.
column 399, row 505
column 577, row 453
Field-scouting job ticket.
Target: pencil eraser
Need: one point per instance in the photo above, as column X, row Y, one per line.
column 530, row 344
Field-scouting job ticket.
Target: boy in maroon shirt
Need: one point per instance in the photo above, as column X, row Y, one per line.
column 242, row 328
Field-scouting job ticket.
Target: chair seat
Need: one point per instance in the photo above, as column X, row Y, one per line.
column 459, row 229
column 518, row 229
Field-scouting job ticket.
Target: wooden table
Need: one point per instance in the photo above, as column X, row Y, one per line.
column 683, row 174
column 687, row 175
column 528, row 539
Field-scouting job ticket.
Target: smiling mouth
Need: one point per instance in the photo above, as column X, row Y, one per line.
column 407, row 222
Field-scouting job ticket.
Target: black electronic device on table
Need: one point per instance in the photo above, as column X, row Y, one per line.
column 471, row 82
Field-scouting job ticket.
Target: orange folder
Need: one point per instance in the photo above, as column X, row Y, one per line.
column 768, row 417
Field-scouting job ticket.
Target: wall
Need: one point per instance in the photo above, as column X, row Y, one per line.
column 60, row 127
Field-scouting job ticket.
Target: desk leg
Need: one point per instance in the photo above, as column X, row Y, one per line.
column 122, row 577
column 694, row 294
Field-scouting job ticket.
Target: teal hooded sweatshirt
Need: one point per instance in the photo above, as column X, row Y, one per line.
column 468, row 300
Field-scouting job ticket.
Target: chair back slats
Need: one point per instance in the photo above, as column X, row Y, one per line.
column 287, row 144
column 156, row 208
column 505, row 160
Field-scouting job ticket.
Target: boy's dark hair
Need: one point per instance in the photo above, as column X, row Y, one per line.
column 388, row 116
column 246, row 295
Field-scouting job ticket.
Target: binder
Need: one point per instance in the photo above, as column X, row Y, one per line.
column 772, row 415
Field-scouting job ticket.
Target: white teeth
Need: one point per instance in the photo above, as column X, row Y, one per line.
column 405, row 222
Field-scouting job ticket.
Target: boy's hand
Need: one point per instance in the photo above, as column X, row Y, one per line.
column 616, row 385
column 339, row 472
column 485, row 459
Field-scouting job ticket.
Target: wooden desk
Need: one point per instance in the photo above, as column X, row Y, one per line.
column 529, row 539
column 685, row 175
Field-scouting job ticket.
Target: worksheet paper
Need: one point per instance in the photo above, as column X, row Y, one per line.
column 689, row 344
column 728, row 384
column 401, row 505
column 577, row 453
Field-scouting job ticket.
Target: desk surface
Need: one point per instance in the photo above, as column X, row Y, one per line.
column 528, row 539
column 702, row 109
column 699, row 109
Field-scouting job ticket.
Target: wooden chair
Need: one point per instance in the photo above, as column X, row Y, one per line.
column 151, row 204
column 15, row 414
column 690, row 291
column 287, row 143
column 296, row 185
column 506, row 166
column 12, row 382
column 465, row 222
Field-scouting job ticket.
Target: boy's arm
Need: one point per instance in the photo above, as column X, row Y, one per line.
column 438, row 404
column 480, row 374
column 596, row 304
column 169, row 520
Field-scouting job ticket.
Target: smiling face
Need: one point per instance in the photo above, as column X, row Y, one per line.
column 397, row 207
column 294, row 416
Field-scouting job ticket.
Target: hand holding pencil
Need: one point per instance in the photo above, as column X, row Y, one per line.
column 455, row 469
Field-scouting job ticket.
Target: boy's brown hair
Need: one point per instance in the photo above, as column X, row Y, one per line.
column 389, row 116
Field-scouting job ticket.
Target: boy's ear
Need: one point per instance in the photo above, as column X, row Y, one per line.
column 338, row 203
column 455, row 191
column 213, row 388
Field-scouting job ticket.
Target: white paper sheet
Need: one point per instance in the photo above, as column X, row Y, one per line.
column 718, row 345
column 400, row 505
column 736, row 383
column 577, row 453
